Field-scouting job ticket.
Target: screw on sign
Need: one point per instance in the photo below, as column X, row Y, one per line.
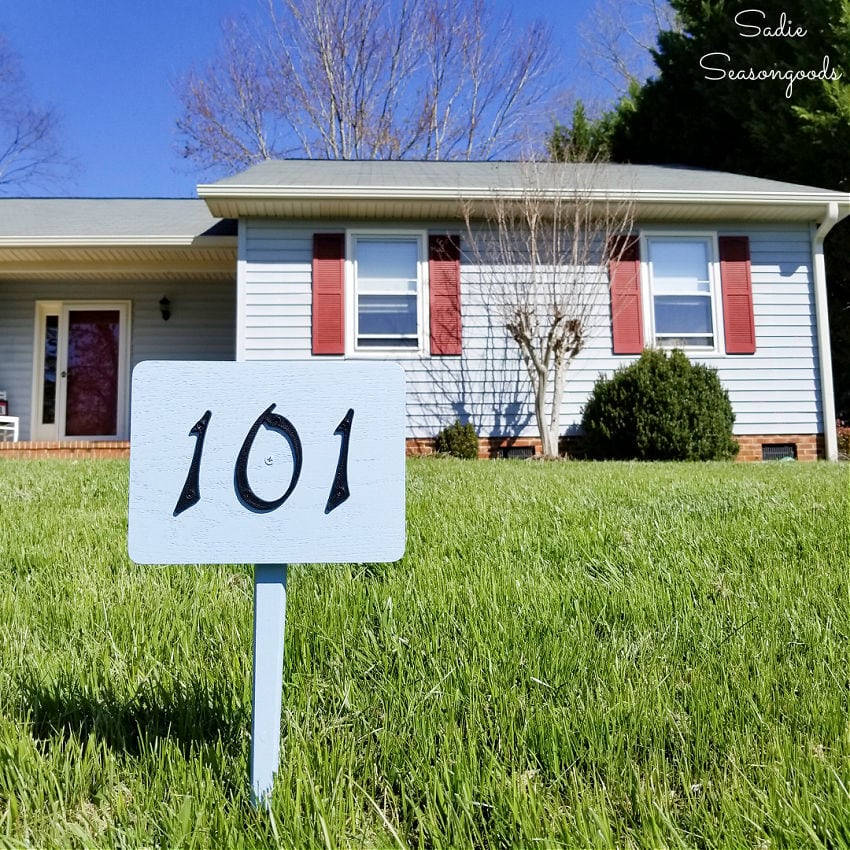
column 274, row 476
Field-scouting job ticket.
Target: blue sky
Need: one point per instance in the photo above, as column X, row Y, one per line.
column 109, row 68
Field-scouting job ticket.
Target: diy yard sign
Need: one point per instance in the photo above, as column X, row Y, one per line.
column 267, row 462
column 271, row 463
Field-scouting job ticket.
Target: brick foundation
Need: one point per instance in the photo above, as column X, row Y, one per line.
column 490, row 448
column 76, row 450
column 809, row 446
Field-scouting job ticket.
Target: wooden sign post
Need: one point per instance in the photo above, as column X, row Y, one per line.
column 271, row 463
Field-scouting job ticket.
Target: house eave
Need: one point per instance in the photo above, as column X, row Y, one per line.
column 114, row 238
column 117, row 260
column 118, row 242
column 442, row 203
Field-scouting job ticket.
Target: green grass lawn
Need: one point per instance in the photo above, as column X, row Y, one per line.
column 569, row 655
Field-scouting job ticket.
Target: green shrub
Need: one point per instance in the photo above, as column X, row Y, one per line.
column 458, row 440
column 660, row 408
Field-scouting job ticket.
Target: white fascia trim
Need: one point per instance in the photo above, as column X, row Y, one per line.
column 830, row 434
column 301, row 193
column 159, row 241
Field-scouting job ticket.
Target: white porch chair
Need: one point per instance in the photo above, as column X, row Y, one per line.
column 9, row 429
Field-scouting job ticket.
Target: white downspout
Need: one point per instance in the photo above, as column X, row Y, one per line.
column 830, row 435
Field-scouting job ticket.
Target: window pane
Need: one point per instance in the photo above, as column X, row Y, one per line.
column 48, row 400
column 679, row 265
column 387, row 265
column 682, row 314
column 685, row 341
column 387, row 342
column 386, row 291
column 386, row 315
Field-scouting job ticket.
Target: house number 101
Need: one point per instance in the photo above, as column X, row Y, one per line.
column 190, row 495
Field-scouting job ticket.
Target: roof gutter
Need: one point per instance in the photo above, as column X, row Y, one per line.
column 210, row 192
column 830, row 434
column 158, row 240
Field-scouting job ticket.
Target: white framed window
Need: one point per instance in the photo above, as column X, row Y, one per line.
column 680, row 279
column 386, row 278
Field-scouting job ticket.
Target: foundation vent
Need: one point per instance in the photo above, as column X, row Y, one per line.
column 517, row 452
column 779, row 451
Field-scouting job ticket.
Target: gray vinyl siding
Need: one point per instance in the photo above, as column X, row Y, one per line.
column 274, row 285
column 775, row 391
column 201, row 327
column 17, row 320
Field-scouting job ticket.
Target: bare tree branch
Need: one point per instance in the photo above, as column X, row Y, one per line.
column 619, row 38
column 226, row 121
column 367, row 79
column 542, row 256
column 30, row 153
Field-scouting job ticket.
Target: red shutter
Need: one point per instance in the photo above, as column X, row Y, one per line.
column 626, row 315
column 736, row 283
column 328, row 293
column 444, row 294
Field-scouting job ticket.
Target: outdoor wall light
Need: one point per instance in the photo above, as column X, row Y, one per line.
column 165, row 308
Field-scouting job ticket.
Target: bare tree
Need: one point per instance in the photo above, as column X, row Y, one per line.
column 30, row 153
column 619, row 37
column 542, row 254
column 367, row 79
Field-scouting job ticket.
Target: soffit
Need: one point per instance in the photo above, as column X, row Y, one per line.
column 118, row 262
column 114, row 238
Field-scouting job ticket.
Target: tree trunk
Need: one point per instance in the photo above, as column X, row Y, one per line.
column 550, row 446
column 554, row 424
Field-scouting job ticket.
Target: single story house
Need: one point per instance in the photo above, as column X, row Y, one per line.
column 300, row 259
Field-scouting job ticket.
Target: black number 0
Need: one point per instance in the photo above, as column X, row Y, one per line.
column 190, row 495
column 240, row 474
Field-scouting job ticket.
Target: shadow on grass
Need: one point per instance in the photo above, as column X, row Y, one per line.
column 194, row 715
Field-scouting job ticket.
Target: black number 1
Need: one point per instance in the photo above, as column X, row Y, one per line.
column 191, row 493
column 339, row 489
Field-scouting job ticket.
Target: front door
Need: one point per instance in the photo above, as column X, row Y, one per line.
column 81, row 371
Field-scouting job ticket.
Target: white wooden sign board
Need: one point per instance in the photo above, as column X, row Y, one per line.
column 216, row 445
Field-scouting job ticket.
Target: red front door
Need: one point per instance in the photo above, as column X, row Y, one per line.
column 92, row 373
